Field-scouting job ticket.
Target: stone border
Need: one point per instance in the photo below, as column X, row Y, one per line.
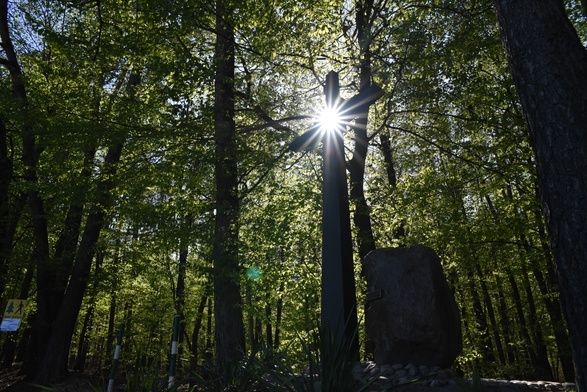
column 423, row 378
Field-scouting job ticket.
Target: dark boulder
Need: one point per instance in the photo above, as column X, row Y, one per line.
column 411, row 315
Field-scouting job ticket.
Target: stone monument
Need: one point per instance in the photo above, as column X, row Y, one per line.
column 411, row 314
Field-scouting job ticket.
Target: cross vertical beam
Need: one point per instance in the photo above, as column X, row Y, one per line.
column 339, row 310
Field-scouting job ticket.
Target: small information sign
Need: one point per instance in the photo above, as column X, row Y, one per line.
column 14, row 308
column 12, row 315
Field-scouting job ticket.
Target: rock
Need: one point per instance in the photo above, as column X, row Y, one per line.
column 434, row 369
column 438, row 383
column 412, row 316
column 411, row 369
column 369, row 369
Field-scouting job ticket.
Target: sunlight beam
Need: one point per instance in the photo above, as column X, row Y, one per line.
column 329, row 119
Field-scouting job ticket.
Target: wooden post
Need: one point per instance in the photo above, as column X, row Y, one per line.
column 115, row 359
column 173, row 360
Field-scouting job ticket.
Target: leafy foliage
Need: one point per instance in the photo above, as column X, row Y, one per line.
column 464, row 169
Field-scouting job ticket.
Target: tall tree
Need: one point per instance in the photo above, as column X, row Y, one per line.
column 54, row 365
column 549, row 65
column 11, row 203
column 228, row 317
column 30, row 157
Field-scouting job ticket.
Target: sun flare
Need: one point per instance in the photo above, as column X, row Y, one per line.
column 329, row 119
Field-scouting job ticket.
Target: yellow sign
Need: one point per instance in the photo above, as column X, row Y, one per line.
column 14, row 308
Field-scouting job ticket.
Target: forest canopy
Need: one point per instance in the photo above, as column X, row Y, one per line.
column 145, row 172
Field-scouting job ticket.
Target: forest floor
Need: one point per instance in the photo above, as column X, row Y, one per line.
column 11, row 380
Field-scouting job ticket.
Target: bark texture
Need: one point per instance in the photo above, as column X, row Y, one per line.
column 549, row 67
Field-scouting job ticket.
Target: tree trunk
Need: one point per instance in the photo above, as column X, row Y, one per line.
column 385, row 146
column 279, row 311
column 543, row 269
column 6, row 237
column 387, row 152
column 229, row 332
column 542, row 369
column 486, row 349
column 505, row 322
column 181, row 276
column 362, row 218
column 490, row 313
column 56, row 271
column 523, row 327
column 549, row 288
column 30, row 156
column 111, row 335
column 250, row 317
column 66, row 244
column 128, row 324
column 540, row 364
column 258, row 334
column 268, row 326
column 24, row 345
column 197, row 326
column 467, row 329
column 11, row 206
column 55, row 274
column 54, row 365
column 83, row 343
column 506, row 328
column 549, row 68
column 558, row 325
column 486, row 346
column 209, row 334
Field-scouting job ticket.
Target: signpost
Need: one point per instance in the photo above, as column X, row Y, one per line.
column 339, row 310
